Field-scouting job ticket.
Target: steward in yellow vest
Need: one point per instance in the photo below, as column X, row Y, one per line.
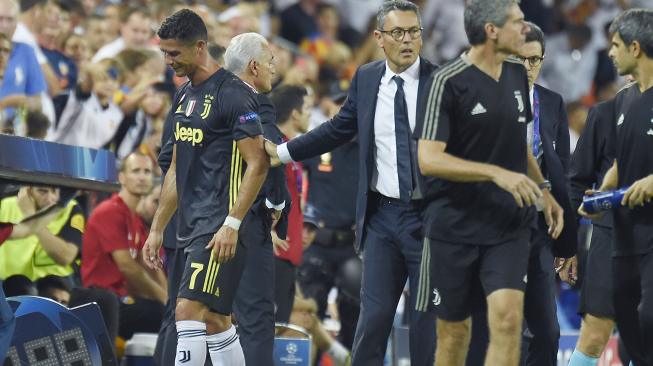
column 50, row 251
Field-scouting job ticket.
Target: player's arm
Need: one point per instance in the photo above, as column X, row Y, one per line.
column 434, row 131
column 64, row 247
column 333, row 133
column 610, row 181
column 252, row 151
column 36, row 222
column 167, row 208
column 139, row 282
column 553, row 213
column 639, row 193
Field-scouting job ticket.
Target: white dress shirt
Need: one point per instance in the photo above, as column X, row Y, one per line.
column 385, row 179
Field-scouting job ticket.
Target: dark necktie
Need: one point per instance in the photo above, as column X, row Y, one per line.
column 402, row 137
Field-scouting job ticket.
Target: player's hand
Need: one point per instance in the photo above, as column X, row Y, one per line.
column 275, row 215
column 271, row 150
column 567, row 269
column 522, row 188
column 640, row 193
column 581, row 209
column 151, row 250
column 224, row 244
column 553, row 214
column 278, row 244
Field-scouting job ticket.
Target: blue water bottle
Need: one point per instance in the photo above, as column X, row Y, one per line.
column 603, row 201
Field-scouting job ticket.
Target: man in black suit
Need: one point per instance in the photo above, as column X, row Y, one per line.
column 548, row 138
column 381, row 109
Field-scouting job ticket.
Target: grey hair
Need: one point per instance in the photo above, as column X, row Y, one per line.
column 635, row 25
column 242, row 49
column 392, row 5
column 480, row 12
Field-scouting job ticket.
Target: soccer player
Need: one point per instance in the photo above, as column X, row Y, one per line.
column 632, row 266
column 478, row 222
column 218, row 166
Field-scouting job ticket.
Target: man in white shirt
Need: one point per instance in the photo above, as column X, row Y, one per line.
column 135, row 32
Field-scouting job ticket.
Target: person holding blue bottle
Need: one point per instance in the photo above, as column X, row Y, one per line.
column 632, row 262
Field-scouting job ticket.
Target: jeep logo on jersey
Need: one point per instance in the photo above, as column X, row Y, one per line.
column 192, row 135
column 208, row 99
column 520, row 101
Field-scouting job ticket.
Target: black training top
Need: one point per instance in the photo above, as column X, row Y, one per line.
column 633, row 228
column 208, row 120
column 481, row 120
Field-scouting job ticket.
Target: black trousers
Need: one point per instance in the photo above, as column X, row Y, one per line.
column 284, row 289
column 542, row 333
column 633, row 305
column 254, row 302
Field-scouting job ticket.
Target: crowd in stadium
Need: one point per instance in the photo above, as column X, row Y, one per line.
column 338, row 165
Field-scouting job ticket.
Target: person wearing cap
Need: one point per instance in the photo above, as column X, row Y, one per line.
column 333, row 207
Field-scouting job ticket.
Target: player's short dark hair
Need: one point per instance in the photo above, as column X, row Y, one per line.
column 535, row 35
column 635, row 25
column 392, row 5
column 50, row 282
column 286, row 99
column 185, row 26
column 480, row 12
column 17, row 285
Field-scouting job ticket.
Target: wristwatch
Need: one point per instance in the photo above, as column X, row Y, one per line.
column 545, row 185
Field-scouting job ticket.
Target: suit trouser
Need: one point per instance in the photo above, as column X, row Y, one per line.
column 540, row 349
column 392, row 254
column 254, row 303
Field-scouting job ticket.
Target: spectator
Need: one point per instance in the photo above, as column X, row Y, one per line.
column 19, row 285
column 37, row 125
column 135, row 32
column 32, row 16
column 96, row 32
column 572, row 61
column 50, row 250
column 110, row 260
column 54, row 288
column 298, row 20
column 577, row 113
column 77, row 48
column 87, row 116
column 50, row 34
column 23, row 84
column 143, row 68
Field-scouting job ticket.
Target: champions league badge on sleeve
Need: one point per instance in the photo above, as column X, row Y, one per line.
column 48, row 333
column 249, row 117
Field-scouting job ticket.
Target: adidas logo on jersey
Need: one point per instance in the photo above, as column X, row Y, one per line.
column 478, row 109
column 620, row 120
